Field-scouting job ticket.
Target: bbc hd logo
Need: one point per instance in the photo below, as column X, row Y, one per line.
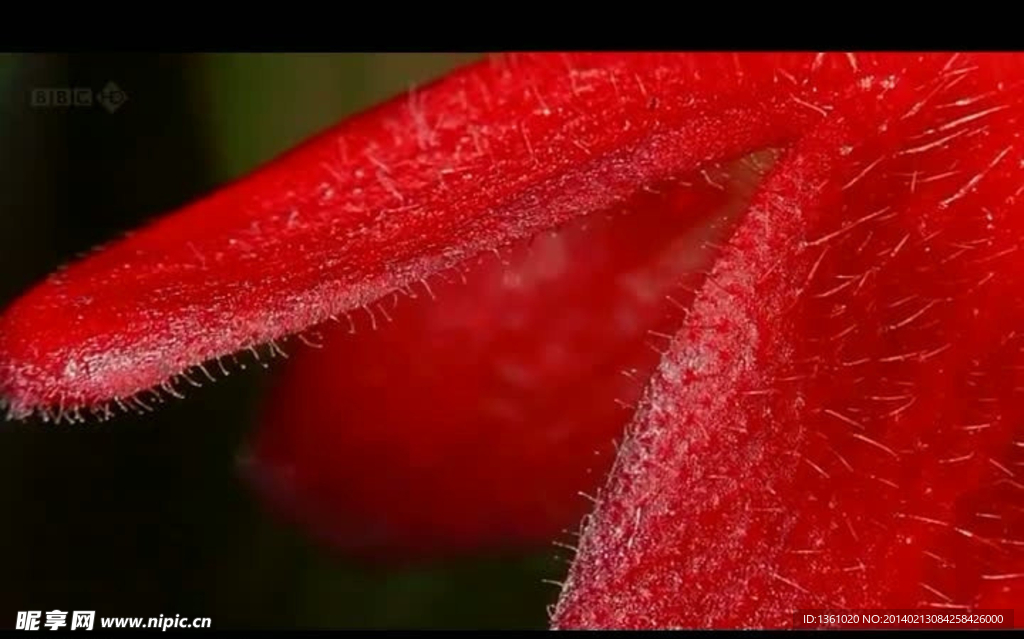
column 111, row 97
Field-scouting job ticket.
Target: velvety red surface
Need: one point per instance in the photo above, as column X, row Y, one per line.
column 495, row 152
column 834, row 425
column 518, row 371
column 840, row 427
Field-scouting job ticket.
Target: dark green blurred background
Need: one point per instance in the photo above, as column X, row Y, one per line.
column 147, row 516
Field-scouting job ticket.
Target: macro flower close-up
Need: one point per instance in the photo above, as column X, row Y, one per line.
column 737, row 336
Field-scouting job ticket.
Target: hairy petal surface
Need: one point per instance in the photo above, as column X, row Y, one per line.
column 497, row 151
column 518, row 371
column 835, row 425
column 840, row 424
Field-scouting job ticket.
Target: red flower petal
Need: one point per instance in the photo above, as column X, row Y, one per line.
column 840, row 425
column 498, row 151
column 778, row 461
column 519, row 375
